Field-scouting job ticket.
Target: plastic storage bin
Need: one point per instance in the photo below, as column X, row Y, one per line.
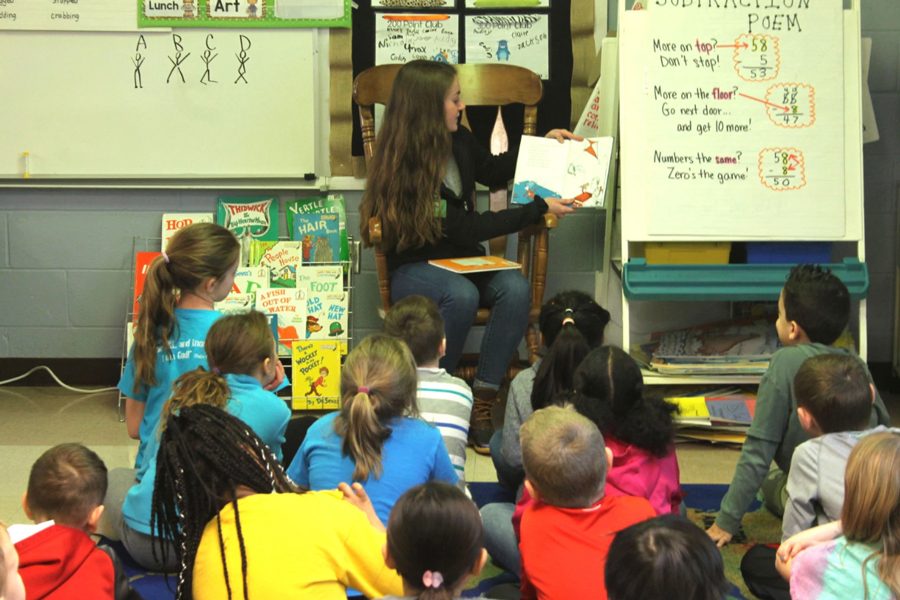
column 687, row 253
column 788, row 253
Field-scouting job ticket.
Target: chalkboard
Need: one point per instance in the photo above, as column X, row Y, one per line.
column 741, row 120
column 185, row 104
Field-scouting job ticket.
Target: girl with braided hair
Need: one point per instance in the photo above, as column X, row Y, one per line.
column 435, row 540
column 241, row 352
column 195, row 270
column 376, row 438
column 242, row 528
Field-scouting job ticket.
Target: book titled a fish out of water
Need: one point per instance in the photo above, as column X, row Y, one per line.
column 475, row 264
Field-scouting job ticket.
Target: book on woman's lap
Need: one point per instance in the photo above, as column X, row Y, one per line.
column 475, row 264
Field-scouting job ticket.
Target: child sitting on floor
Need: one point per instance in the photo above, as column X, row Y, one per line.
column 834, row 402
column 663, row 558
column 443, row 400
column 376, row 438
column 435, row 541
column 865, row 552
column 566, row 533
column 11, row 587
column 813, row 311
column 57, row 557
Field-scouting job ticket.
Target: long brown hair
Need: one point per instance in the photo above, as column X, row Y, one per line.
column 236, row 344
column 385, row 370
column 194, row 254
column 410, row 157
column 871, row 511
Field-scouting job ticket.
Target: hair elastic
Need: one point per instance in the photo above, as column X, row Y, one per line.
column 217, row 370
column 362, row 390
column 432, row 579
column 165, row 257
column 568, row 319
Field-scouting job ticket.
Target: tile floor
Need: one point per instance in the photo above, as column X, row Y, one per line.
column 35, row 418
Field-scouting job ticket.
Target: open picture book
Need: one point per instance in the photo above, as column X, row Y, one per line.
column 572, row 169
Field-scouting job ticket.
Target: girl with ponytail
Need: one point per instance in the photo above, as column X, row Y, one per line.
column 376, row 439
column 435, row 541
column 242, row 358
column 195, row 270
column 571, row 324
column 241, row 528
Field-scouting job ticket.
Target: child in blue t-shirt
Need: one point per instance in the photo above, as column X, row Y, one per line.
column 243, row 360
column 376, row 438
column 196, row 269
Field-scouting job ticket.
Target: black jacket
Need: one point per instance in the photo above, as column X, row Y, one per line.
column 462, row 228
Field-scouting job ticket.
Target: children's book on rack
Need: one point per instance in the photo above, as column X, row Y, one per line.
column 331, row 203
column 289, row 306
column 326, row 300
column 319, row 235
column 249, row 218
column 280, row 258
column 172, row 222
column 141, row 265
column 571, row 169
column 316, row 374
column 734, row 347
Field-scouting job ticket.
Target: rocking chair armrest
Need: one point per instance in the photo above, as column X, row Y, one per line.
column 375, row 230
column 550, row 221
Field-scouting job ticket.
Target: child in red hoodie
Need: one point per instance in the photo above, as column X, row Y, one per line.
column 57, row 557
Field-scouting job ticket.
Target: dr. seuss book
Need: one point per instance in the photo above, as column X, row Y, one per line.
column 316, row 374
column 319, row 235
column 141, row 264
column 289, row 304
column 249, row 279
column 172, row 222
column 235, row 304
column 251, row 218
column 280, row 258
column 326, row 301
column 332, row 203
column 571, row 169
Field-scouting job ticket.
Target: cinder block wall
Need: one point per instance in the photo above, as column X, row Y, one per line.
column 66, row 264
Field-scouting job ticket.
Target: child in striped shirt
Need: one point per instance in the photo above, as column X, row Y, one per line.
column 443, row 400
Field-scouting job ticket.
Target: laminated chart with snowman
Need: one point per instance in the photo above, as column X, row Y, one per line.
column 572, row 169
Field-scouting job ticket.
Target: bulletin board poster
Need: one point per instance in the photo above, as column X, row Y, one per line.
column 517, row 39
column 507, row 4
column 400, row 38
column 244, row 13
column 53, row 15
column 743, row 112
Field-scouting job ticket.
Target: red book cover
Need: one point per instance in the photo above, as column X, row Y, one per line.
column 141, row 265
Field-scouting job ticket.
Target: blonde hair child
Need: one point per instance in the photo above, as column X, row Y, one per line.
column 867, row 555
column 376, row 438
column 195, row 270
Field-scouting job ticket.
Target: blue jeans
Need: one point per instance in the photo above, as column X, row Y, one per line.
column 500, row 537
column 508, row 476
column 458, row 297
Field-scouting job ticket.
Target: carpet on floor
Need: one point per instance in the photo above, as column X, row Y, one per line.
column 702, row 501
